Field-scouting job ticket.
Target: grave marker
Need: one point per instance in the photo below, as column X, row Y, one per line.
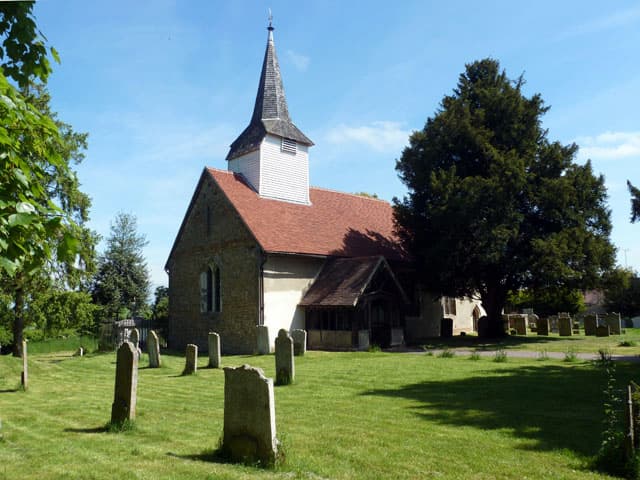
column 542, row 326
column 520, row 324
column 602, row 331
column 24, row 377
column 249, row 416
column 191, row 360
column 153, row 347
column 214, row 350
column 134, row 338
column 565, row 327
column 125, row 392
column 614, row 323
column 299, row 342
column 262, row 334
column 590, row 324
column 285, row 368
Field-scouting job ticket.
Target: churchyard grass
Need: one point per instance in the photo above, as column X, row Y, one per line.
column 347, row 415
column 626, row 344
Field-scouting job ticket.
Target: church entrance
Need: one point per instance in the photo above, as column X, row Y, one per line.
column 380, row 324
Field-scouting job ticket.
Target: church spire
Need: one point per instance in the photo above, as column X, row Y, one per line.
column 270, row 112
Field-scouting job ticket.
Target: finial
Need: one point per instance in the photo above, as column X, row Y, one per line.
column 270, row 27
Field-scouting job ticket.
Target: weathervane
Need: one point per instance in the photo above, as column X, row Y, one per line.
column 270, row 27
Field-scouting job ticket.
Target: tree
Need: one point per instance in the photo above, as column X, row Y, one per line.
column 622, row 291
column 41, row 208
column 121, row 284
column 635, row 202
column 493, row 206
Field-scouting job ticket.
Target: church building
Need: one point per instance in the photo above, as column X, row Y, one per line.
column 259, row 246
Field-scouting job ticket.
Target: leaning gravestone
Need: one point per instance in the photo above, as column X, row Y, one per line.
column 24, row 378
column 249, row 416
column 542, row 326
column 262, row 334
column 153, row 347
column 214, row 350
column 614, row 323
column 285, row 368
column 191, row 360
column 565, row 329
column 520, row 324
column 590, row 324
column 602, row 331
column 299, row 342
column 124, row 398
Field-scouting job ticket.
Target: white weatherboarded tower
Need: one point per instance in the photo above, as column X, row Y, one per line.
column 272, row 153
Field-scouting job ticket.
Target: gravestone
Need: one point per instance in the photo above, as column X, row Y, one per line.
column 214, row 350
column 153, row 347
column 285, row 368
column 262, row 334
column 602, row 331
column 542, row 326
column 446, row 327
column 24, row 377
column 299, row 342
column 614, row 323
column 520, row 324
column 590, row 324
column 249, row 433
column 191, row 360
column 134, row 338
column 125, row 392
column 363, row 339
column 79, row 352
column 565, row 328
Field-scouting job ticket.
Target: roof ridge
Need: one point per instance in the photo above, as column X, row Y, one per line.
column 350, row 194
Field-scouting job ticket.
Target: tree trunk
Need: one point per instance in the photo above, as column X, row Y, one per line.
column 18, row 322
column 493, row 303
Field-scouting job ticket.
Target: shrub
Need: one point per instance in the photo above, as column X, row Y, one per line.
column 570, row 356
column 500, row 356
column 474, row 356
column 446, row 353
column 543, row 355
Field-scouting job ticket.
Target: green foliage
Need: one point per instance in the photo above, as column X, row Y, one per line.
column 500, row 356
column 122, row 280
column 570, row 356
column 542, row 356
column 635, row 202
column 493, row 205
column 54, row 312
column 622, row 291
column 366, row 194
column 446, row 353
column 474, row 356
column 548, row 301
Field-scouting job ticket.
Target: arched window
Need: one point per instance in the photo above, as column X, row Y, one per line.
column 210, row 289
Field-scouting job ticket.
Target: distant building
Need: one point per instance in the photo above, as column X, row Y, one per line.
column 258, row 246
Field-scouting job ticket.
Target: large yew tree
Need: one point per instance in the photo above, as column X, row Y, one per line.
column 493, row 205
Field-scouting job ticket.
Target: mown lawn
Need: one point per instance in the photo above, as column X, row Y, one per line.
column 349, row 415
column 578, row 343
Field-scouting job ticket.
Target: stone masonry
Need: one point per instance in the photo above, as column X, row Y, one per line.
column 125, row 392
column 214, row 350
column 285, row 367
column 213, row 232
column 299, row 342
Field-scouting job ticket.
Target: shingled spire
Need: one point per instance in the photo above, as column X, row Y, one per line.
column 272, row 153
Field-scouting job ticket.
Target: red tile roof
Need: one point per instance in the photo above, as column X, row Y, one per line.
column 335, row 223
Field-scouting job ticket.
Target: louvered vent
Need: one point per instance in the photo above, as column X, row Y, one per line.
column 289, row 146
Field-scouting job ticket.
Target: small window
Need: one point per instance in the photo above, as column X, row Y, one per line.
column 210, row 290
column 449, row 305
column 289, row 146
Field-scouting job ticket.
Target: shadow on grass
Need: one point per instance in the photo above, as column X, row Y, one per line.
column 554, row 407
column 11, row 390
column 514, row 341
column 101, row 429
column 211, row 456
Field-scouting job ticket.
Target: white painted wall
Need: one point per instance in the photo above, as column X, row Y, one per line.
column 284, row 176
column 286, row 280
column 249, row 166
column 463, row 319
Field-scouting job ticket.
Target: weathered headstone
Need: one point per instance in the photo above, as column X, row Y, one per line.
column 262, row 334
column 614, row 323
column 363, row 339
column 191, row 360
column 24, row 378
column 542, row 326
column 214, row 350
column 79, row 352
column 602, row 331
column 249, row 416
column 134, row 338
column 565, row 327
column 520, row 324
column 590, row 324
column 299, row 342
column 446, row 327
column 153, row 347
column 285, row 368
column 125, row 393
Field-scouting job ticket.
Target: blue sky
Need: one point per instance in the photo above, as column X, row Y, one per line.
column 163, row 88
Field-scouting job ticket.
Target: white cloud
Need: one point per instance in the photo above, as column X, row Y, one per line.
column 610, row 146
column 301, row 62
column 618, row 19
column 378, row 136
